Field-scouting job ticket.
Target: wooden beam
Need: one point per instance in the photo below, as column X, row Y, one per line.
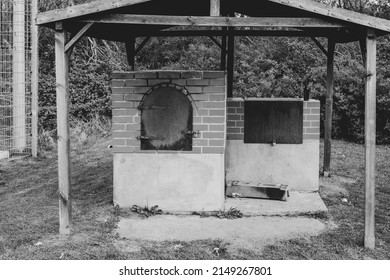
column 329, row 107
column 34, row 79
column 62, row 90
column 215, row 7
column 215, row 41
column 214, row 21
column 223, row 50
column 230, row 64
column 130, row 50
column 84, row 9
column 363, row 50
column 77, row 36
column 370, row 127
column 318, row 44
column 143, row 43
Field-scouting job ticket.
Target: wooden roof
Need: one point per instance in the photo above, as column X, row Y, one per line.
column 117, row 19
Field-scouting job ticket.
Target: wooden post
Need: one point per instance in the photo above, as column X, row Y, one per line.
column 130, row 50
column 230, row 63
column 62, row 90
column 34, row 79
column 329, row 107
column 215, row 8
column 223, row 50
column 370, row 127
column 19, row 78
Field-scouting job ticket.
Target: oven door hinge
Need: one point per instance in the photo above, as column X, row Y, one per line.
column 151, row 107
column 150, row 137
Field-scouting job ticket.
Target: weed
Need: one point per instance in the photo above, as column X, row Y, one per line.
column 146, row 212
column 232, row 213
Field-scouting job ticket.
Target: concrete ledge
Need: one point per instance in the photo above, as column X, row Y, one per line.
column 297, row 203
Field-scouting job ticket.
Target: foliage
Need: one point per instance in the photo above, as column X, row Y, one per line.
column 264, row 67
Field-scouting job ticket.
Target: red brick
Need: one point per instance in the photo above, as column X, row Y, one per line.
column 137, row 119
column 216, row 143
column 124, row 134
column 213, row 150
column 194, row 90
column 197, row 82
column 200, row 142
column 306, row 124
column 315, row 124
column 132, row 112
column 200, row 97
column 217, row 112
column 117, row 97
column 216, row 127
column 195, row 150
column 198, row 119
column 242, row 129
column 213, row 74
column 240, row 110
column 232, row 117
column 141, row 90
column 211, row 105
column 313, row 104
column 313, row 117
column 133, row 142
column 235, row 137
column 122, row 75
column 214, row 89
column 314, row 111
column 118, row 83
column 200, row 127
column 306, row 111
column 133, row 97
column 124, row 104
column 169, row 75
column 135, row 82
column 235, row 104
column 213, row 119
column 133, row 127
column 179, row 82
column 145, row 75
column 312, row 130
column 118, row 127
column 202, row 112
column 213, row 135
column 240, row 124
column 121, row 90
column 217, row 82
column 231, row 110
column 191, row 74
column 119, row 112
column 123, row 149
column 118, row 142
column 311, row 136
column 231, row 124
column 217, row 97
column 122, row 119
column 157, row 81
column 233, row 130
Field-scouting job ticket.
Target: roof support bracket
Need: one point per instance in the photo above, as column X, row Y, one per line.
column 143, row 43
column 216, row 41
column 73, row 41
column 320, row 46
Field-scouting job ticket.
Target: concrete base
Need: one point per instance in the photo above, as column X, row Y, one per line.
column 175, row 182
column 294, row 165
column 297, row 203
column 4, row 154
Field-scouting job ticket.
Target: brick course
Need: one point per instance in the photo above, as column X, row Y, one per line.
column 207, row 94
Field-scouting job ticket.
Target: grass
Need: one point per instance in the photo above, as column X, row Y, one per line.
column 29, row 210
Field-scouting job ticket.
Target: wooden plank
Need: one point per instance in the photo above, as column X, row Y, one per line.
column 318, row 44
column 215, row 42
column 34, row 79
column 130, row 51
column 337, row 13
column 230, row 63
column 260, row 190
column 62, row 90
column 267, row 121
column 213, row 21
column 215, row 7
column 84, row 9
column 370, row 129
column 143, row 43
column 223, row 49
column 77, row 36
column 329, row 107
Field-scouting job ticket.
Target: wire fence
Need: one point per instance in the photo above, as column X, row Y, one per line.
column 15, row 78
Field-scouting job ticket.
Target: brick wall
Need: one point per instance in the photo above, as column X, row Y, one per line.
column 207, row 95
column 235, row 119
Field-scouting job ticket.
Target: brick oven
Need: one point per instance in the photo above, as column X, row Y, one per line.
column 169, row 131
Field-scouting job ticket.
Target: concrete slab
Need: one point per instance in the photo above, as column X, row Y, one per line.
column 248, row 232
column 297, row 203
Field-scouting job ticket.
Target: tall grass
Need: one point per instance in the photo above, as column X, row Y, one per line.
column 82, row 133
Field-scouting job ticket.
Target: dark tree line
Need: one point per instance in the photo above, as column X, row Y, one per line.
column 264, row 67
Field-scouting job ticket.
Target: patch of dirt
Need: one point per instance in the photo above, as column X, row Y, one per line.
column 334, row 185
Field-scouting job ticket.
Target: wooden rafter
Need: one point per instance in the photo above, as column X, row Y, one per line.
column 215, row 41
column 215, row 21
column 318, row 44
column 143, row 43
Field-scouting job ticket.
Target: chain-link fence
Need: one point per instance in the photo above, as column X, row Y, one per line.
column 15, row 78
